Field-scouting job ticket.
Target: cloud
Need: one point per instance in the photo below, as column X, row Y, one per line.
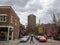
column 56, row 4
column 21, row 3
column 30, row 6
column 34, row 5
column 42, row 9
column 4, row 0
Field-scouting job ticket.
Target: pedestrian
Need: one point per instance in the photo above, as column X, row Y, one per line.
column 46, row 36
column 31, row 40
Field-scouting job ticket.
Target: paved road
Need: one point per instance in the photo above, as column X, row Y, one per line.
column 49, row 42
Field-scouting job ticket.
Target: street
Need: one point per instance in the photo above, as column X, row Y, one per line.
column 49, row 42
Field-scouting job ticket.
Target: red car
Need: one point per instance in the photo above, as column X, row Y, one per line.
column 42, row 39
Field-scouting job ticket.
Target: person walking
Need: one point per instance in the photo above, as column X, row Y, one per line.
column 31, row 40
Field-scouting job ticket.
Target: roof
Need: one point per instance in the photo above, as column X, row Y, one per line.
column 9, row 7
column 5, row 6
column 31, row 15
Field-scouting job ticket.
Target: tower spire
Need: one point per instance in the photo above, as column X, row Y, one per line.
column 54, row 18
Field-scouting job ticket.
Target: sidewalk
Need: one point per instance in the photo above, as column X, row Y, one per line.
column 52, row 41
column 14, row 42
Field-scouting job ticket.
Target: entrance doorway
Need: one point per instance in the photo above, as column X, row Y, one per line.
column 3, row 33
column 59, row 30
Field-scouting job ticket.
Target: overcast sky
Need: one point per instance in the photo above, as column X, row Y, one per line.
column 42, row 9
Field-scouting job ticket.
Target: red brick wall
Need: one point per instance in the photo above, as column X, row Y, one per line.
column 10, row 13
column 5, row 11
column 50, row 27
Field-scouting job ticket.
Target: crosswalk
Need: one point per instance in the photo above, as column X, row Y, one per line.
column 35, row 43
column 40, row 43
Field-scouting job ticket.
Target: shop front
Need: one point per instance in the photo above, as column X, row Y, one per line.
column 6, row 33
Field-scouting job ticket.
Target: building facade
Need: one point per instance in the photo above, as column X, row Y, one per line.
column 58, row 23
column 32, row 22
column 49, row 29
column 22, row 30
column 9, row 23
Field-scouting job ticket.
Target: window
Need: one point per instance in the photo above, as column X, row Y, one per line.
column 3, row 18
column 11, row 19
column 15, row 22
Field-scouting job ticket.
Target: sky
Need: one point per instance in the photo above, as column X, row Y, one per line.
column 42, row 9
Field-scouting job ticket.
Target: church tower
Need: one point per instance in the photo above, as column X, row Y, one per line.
column 54, row 19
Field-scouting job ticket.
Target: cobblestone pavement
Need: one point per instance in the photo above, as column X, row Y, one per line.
column 16, row 42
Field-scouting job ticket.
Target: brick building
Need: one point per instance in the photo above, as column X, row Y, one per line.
column 22, row 30
column 9, row 23
column 49, row 29
column 58, row 23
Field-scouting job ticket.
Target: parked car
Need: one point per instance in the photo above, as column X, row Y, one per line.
column 24, row 39
column 37, row 37
column 42, row 39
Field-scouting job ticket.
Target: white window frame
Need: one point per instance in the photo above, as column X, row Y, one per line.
column 11, row 19
column 2, row 17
